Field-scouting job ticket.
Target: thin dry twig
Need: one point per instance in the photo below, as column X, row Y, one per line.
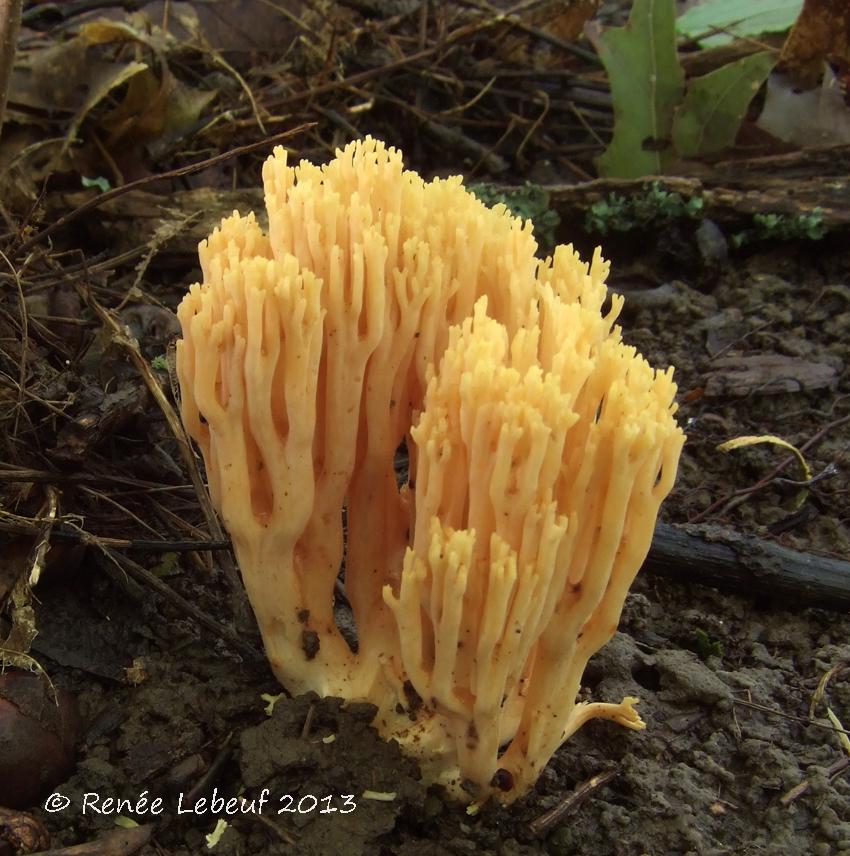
column 43, row 543
column 781, row 713
column 25, row 339
column 276, row 828
column 126, row 512
column 255, row 109
column 121, row 337
column 798, row 790
column 26, row 526
column 570, row 803
column 143, row 575
column 118, row 842
column 10, row 25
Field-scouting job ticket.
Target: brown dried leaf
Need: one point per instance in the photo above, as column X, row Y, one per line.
column 53, row 78
column 153, row 108
column 105, row 32
column 768, row 374
column 101, row 85
column 564, row 20
column 822, row 33
column 247, row 26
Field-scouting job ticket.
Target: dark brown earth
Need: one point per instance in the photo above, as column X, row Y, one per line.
column 725, row 680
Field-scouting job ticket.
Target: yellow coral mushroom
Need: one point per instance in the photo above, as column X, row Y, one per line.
column 379, row 310
column 541, row 463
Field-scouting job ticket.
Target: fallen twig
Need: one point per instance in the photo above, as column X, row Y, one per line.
column 570, row 803
column 783, row 715
column 735, row 191
column 10, row 25
column 717, row 556
column 797, row 791
column 25, row 526
column 119, row 842
column 709, row 555
column 143, row 575
column 131, row 346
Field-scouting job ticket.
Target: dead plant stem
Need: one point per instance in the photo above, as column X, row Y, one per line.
column 10, row 25
column 131, row 346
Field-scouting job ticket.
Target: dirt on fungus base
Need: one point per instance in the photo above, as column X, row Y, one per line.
column 707, row 775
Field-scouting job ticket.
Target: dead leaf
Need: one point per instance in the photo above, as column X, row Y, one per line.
column 101, row 85
column 246, row 26
column 564, row 20
column 154, row 105
column 768, row 374
column 105, row 32
column 52, row 78
column 153, row 108
column 821, row 34
column 816, row 117
column 68, row 77
column 77, row 77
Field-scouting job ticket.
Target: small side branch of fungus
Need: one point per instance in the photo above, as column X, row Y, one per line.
column 379, row 310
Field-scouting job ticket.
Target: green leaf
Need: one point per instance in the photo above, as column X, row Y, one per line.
column 709, row 117
column 101, row 183
column 646, row 84
column 167, row 566
column 737, row 19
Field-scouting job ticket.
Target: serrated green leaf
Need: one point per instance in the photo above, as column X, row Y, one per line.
column 737, row 19
column 709, row 117
column 646, row 85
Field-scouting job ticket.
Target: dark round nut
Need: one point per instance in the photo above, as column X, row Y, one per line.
column 21, row 833
column 38, row 736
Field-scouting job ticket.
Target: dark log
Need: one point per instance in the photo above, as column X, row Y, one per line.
column 731, row 200
column 794, row 184
column 716, row 556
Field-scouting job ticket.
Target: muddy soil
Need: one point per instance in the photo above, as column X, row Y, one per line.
column 725, row 680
